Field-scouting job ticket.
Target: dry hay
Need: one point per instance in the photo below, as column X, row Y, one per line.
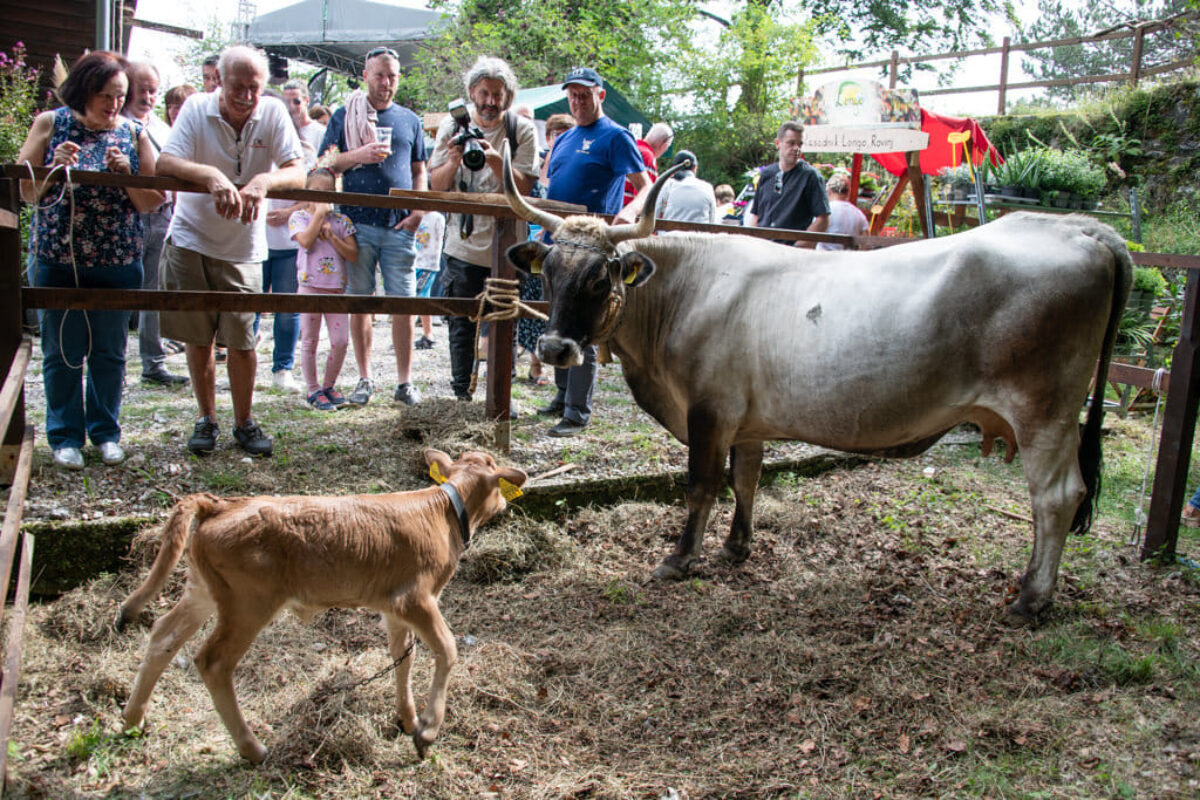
column 863, row 650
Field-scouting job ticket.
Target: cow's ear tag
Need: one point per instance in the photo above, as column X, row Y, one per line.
column 535, row 266
column 510, row 490
column 436, row 473
column 631, row 277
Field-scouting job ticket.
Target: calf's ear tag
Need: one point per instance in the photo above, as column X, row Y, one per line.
column 535, row 266
column 632, row 276
column 435, row 472
column 510, row 490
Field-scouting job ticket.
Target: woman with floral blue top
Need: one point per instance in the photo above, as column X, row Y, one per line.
column 87, row 237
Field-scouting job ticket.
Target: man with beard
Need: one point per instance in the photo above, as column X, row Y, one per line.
column 467, row 256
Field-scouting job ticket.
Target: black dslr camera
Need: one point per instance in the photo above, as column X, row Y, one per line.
column 467, row 137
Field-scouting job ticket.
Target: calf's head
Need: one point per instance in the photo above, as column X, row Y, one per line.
column 478, row 479
column 584, row 275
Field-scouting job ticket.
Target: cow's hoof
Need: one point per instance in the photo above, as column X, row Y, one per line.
column 671, row 569
column 1022, row 614
column 735, row 553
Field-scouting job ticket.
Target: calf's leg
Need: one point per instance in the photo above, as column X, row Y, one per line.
column 400, row 639
column 745, row 469
column 169, row 634
column 708, row 442
column 237, row 626
column 426, row 620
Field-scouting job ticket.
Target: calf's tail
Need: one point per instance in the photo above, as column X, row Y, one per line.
column 187, row 514
column 1090, row 456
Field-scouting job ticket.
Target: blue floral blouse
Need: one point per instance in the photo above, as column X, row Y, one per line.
column 107, row 229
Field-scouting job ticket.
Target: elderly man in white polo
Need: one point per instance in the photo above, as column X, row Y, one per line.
column 227, row 141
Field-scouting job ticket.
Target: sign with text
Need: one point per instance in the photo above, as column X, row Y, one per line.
column 862, row 139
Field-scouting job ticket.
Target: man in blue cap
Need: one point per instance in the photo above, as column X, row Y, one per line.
column 589, row 166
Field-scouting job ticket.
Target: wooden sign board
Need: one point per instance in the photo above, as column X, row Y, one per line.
column 862, row 139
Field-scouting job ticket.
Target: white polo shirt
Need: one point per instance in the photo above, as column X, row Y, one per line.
column 201, row 135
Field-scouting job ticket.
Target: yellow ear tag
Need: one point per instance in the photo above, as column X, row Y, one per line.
column 535, row 266
column 632, row 276
column 436, row 473
column 510, row 490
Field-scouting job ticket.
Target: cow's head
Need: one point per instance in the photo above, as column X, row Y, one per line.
column 584, row 275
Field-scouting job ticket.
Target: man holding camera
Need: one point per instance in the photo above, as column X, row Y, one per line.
column 467, row 158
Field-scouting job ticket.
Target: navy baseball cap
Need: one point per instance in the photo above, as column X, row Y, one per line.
column 585, row 76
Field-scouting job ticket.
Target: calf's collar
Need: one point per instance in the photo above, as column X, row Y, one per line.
column 464, row 525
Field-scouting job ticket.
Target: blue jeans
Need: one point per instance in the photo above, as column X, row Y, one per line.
column 394, row 251
column 67, row 345
column 279, row 276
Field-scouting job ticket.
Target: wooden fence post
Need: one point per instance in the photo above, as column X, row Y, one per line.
column 1135, row 66
column 1179, row 424
column 500, row 338
column 894, row 70
column 1001, row 106
column 11, row 318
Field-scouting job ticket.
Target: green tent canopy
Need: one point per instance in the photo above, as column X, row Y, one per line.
column 548, row 100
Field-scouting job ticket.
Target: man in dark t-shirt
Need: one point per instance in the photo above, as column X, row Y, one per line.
column 790, row 194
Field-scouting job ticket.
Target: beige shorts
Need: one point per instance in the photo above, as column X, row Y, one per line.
column 187, row 270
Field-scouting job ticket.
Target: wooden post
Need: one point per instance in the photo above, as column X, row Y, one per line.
column 800, row 82
column 1135, row 66
column 1003, row 77
column 11, row 316
column 920, row 195
column 1179, row 423
column 894, row 70
column 889, row 205
column 500, row 339
column 855, row 174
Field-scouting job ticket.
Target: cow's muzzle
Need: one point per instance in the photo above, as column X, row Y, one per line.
column 556, row 351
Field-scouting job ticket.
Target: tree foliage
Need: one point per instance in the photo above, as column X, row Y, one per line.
column 1062, row 19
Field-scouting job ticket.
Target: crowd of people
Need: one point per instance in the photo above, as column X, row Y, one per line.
column 240, row 139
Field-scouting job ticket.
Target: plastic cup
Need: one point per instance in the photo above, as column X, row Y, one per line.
column 384, row 134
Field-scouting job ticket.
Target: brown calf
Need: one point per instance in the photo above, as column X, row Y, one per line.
column 252, row 556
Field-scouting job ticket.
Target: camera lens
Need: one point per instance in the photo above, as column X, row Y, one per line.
column 473, row 156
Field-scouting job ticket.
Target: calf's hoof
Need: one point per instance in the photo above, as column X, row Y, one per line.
column 253, row 752
column 673, row 568
column 422, row 742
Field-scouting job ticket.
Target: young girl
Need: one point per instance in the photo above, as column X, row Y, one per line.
column 327, row 242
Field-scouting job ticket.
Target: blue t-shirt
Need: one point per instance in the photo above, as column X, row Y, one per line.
column 589, row 165
column 394, row 172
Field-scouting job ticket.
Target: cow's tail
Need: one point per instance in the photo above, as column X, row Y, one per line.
column 184, row 519
column 1090, row 456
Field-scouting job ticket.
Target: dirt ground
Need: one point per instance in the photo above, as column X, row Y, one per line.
column 862, row 652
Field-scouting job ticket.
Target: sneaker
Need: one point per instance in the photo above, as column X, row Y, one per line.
column 220, row 355
column 320, row 402
column 424, row 343
column 164, row 378
column 204, row 436
column 553, row 410
column 362, row 392
column 111, row 453
column 68, row 457
column 283, row 381
column 408, row 394
column 336, row 398
column 251, row 438
column 567, row 427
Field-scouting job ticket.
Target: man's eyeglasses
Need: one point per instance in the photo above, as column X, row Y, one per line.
column 779, row 183
column 382, row 51
column 296, row 101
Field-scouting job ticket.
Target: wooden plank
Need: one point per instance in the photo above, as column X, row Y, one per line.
column 1177, row 260
column 14, row 383
column 12, row 656
column 11, row 315
column 11, row 525
column 140, row 299
column 9, row 220
column 1133, row 375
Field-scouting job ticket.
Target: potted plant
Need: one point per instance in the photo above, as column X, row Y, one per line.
column 955, row 182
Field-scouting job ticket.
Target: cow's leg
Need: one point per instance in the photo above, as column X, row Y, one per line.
column 745, row 468
column 1055, row 488
column 426, row 621
column 708, row 442
column 169, row 633
column 400, row 639
column 237, row 626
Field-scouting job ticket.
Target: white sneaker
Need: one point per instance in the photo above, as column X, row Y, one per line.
column 111, row 453
column 283, row 381
column 68, row 457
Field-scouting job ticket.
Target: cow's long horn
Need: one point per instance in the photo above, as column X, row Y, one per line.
column 515, row 201
column 645, row 226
